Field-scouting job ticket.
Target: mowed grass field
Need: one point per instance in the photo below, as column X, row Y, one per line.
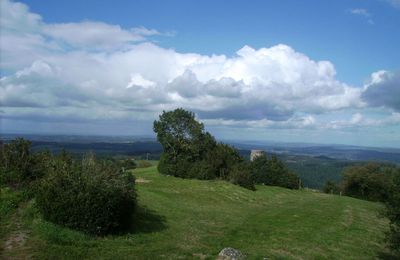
column 192, row 219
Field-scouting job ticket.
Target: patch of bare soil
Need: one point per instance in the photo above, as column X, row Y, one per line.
column 14, row 246
column 141, row 180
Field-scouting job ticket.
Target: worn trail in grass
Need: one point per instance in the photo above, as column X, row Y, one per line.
column 195, row 219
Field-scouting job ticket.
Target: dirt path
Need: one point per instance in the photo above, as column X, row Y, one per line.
column 14, row 245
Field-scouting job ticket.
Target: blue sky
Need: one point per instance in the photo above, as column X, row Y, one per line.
column 314, row 71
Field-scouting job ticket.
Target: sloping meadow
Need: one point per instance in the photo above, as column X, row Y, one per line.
column 193, row 219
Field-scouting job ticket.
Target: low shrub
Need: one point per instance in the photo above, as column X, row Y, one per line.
column 331, row 187
column 9, row 200
column 94, row 197
column 273, row 172
column 241, row 175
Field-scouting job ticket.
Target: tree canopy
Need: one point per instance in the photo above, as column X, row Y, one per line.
column 371, row 181
column 191, row 152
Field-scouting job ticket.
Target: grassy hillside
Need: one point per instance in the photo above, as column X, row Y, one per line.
column 195, row 219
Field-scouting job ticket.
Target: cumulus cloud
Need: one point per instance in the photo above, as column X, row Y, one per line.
column 98, row 71
column 25, row 37
column 138, row 80
column 383, row 90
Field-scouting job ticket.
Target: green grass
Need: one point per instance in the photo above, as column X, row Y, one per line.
column 192, row 219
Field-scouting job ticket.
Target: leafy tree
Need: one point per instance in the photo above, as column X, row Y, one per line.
column 222, row 159
column 191, row 152
column 183, row 139
column 393, row 214
column 260, row 169
column 273, row 172
column 371, row 181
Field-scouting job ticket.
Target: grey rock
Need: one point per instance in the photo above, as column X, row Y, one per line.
column 230, row 253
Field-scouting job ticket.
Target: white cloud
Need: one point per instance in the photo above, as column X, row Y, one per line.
column 95, row 35
column 16, row 16
column 383, row 90
column 364, row 13
column 25, row 38
column 296, row 122
column 360, row 121
column 361, row 11
column 356, row 118
column 138, row 80
column 394, row 3
column 57, row 75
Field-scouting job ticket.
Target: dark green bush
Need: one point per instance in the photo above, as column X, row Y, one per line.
column 393, row 214
column 371, row 181
column 201, row 170
column 91, row 196
column 130, row 164
column 241, row 175
column 9, row 200
column 17, row 163
column 273, row 172
column 331, row 187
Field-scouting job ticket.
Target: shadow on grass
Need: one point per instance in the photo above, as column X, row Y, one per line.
column 387, row 255
column 147, row 221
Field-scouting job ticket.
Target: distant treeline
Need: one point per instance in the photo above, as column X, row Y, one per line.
column 140, row 149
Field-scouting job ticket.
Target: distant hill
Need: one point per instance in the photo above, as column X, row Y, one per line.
column 344, row 152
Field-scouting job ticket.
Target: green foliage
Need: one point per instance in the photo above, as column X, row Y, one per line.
column 393, row 214
column 191, row 152
column 91, row 196
column 273, row 172
column 371, row 181
column 222, row 159
column 331, row 188
column 130, row 164
column 241, row 175
column 9, row 200
column 17, row 163
column 183, row 139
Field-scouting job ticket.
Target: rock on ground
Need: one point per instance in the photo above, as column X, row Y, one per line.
column 229, row 253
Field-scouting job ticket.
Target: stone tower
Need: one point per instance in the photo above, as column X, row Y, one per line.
column 255, row 153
